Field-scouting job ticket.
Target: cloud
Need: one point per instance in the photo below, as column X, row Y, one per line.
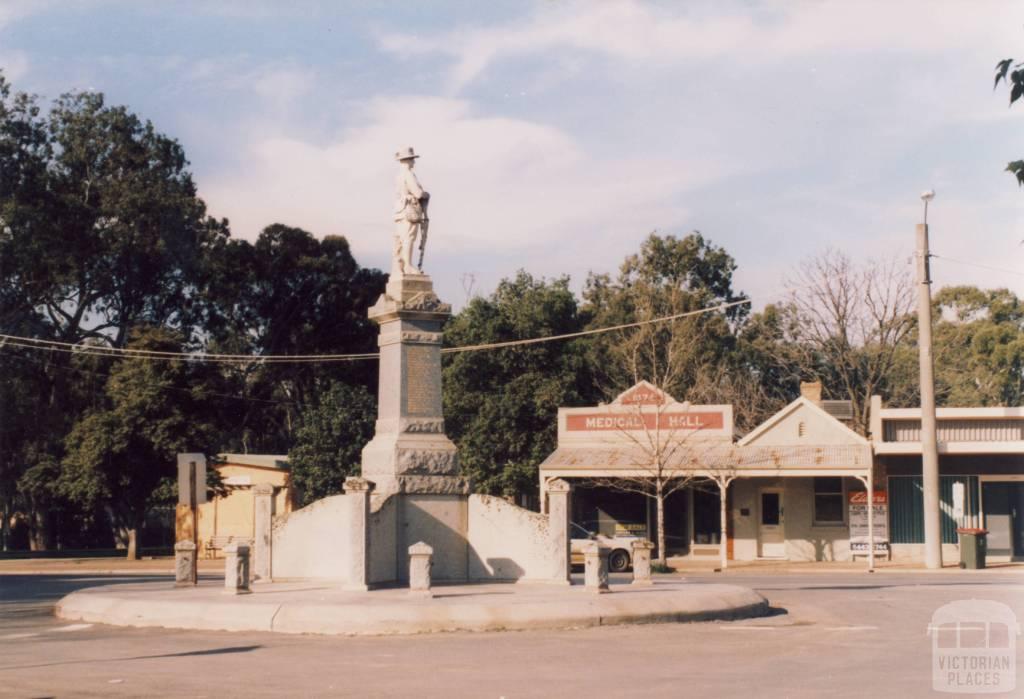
column 14, row 65
column 651, row 36
column 499, row 185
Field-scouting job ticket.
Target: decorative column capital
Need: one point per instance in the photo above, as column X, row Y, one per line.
column 355, row 484
column 559, row 485
column 263, row 489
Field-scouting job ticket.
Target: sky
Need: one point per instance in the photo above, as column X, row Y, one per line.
column 556, row 135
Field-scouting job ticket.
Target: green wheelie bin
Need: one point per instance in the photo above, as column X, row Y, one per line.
column 972, row 547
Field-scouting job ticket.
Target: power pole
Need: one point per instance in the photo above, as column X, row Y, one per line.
column 929, row 440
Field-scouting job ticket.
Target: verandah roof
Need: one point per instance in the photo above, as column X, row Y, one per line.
column 845, row 459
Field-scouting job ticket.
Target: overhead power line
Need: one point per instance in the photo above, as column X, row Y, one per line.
column 1017, row 273
column 126, row 353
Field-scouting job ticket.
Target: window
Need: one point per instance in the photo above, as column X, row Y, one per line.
column 829, row 503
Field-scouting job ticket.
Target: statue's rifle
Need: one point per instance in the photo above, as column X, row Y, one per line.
column 424, row 226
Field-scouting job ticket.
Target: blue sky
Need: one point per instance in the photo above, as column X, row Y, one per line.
column 556, row 135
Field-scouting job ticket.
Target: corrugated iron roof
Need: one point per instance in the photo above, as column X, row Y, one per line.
column 717, row 457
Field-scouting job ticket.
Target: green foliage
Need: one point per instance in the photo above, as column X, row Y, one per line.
column 118, row 455
column 501, row 405
column 669, row 276
column 979, row 347
column 329, row 440
column 1012, row 74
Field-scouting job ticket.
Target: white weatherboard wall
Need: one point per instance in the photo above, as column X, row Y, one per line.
column 507, row 542
column 312, row 542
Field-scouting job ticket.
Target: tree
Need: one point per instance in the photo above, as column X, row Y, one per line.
column 979, row 347
column 288, row 293
column 329, row 439
column 1014, row 79
column 669, row 276
column 118, row 455
column 849, row 328
column 501, row 405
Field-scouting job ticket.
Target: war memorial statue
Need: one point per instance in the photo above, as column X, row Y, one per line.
column 411, row 221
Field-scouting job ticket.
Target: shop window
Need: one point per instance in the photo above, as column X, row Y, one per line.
column 829, row 502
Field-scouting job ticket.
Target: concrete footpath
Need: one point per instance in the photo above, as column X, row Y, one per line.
column 324, row 609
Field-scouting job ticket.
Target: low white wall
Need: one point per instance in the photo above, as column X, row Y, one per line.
column 383, row 534
column 507, row 542
column 313, row 542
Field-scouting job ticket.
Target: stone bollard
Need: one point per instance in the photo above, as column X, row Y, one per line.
column 420, row 562
column 263, row 515
column 595, row 575
column 184, row 560
column 642, row 562
column 236, row 569
column 559, row 499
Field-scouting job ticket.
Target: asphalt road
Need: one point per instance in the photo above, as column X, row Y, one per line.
column 841, row 635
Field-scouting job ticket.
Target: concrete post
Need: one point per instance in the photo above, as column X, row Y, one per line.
column 595, row 575
column 642, row 562
column 263, row 496
column 184, row 559
column 929, row 439
column 420, row 562
column 236, row 569
column 559, row 492
column 358, row 532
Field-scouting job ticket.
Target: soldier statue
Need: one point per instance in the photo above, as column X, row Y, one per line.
column 410, row 215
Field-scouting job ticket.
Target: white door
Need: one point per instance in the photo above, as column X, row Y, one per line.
column 771, row 534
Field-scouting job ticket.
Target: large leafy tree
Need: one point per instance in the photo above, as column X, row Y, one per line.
column 329, row 438
column 119, row 455
column 669, row 276
column 979, row 347
column 501, row 405
column 100, row 231
column 287, row 294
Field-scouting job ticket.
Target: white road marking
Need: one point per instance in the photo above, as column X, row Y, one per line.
column 72, row 627
column 17, row 635
column 749, row 628
column 851, row 628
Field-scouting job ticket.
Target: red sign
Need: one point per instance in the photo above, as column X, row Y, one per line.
column 641, row 395
column 860, row 497
column 596, row 422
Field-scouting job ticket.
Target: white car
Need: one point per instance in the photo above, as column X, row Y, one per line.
column 619, row 559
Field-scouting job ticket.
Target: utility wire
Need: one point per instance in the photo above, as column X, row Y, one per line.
column 97, row 350
column 979, row 265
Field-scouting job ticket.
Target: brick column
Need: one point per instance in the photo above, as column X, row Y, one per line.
column 263, row 496
column 358, row 533
column 559, row 514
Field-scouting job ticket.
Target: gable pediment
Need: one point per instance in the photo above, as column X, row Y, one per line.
column 802, row 422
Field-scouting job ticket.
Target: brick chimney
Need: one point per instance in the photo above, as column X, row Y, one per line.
column 811, row 391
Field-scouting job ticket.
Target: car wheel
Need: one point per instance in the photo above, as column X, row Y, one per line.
column 618, row 561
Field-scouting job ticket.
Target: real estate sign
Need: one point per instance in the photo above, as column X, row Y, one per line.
column 859, row 519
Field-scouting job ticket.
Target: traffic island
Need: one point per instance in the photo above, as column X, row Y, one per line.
column 324, row 609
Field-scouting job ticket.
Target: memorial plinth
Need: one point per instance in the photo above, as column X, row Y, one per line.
column 410, row 452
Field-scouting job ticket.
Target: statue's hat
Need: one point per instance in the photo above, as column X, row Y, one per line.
column 406, row 154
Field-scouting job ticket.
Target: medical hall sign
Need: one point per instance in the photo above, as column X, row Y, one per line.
column 627, row 422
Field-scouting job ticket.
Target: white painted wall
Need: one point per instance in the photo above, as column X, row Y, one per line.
column 507, row 542
column 804, row 540
column 313, row 542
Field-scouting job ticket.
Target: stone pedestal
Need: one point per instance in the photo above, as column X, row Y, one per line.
column 358, row 533
column 642, row 562
column 595, row 575
column 409, row 452
column 236, row 569
column 184, row 562
column 263, row 507
column 558, row 502
column 420, row 563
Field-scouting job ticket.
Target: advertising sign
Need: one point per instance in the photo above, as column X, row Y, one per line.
column 859, row 520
